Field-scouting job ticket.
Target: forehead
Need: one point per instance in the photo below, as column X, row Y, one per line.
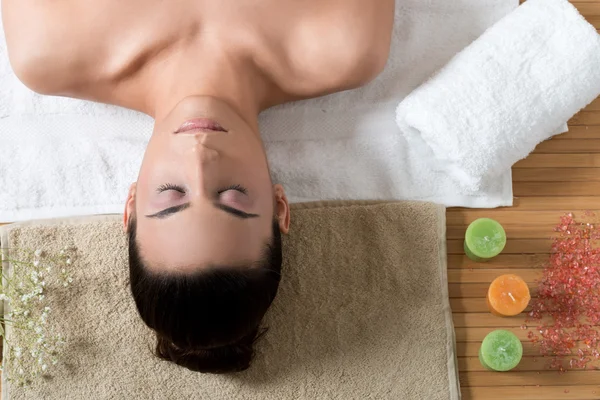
column 201, row 237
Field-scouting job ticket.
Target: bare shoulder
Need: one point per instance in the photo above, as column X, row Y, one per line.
column 44, row 42
column 345, row 46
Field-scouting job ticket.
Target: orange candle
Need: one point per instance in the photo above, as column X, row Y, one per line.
column 508, row 295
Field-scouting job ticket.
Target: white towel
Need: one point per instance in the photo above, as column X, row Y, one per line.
column 63, row 157
column 511, row 89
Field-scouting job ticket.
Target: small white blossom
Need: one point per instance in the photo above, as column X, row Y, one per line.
column 62, row 252
column 42, row 348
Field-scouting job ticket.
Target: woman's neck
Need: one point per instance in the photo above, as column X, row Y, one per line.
column 233, row 79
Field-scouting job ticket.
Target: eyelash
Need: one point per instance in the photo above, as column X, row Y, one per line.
column 239, row 188
column 169, row 186
column 177, row 188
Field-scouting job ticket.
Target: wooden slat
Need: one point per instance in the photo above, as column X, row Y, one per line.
column 569, row 146
column 512, row 231
column 595, row 105
column 458, row 261
column 594, row 20
column 471, row 349
column 517, row 246
column 557, row 203
column 589, row 118
column 483, row 379
column 580, row 132
column 475, row 305
column 556, row 174
column 586, row 392
column 529, row 363
column 508, row 217
column 587, row 8
column 478, row 334
column 470, row 305
column 487, row 320
column 534, row 189
column 467, row 290
column 476, row 290
column 488, row 275
column 560, row 161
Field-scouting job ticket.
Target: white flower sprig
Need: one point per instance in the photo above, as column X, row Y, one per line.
column 34, row 273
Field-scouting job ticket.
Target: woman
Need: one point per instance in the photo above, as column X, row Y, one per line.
column 204, row 219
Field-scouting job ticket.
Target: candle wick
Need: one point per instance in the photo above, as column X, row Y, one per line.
column 511, row 296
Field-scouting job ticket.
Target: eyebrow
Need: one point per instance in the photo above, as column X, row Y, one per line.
column 167, row 212
column 234, row 211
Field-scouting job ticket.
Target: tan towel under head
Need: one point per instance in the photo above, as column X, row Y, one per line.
column 362, row 313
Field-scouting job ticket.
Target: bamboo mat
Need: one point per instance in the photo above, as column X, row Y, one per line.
column 562, row 175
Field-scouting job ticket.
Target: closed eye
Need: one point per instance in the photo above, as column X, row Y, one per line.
column 237, row 188
column 168, row 186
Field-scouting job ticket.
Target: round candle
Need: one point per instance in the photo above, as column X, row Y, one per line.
column 485, row 238
column 500, row 351
column 508, row 295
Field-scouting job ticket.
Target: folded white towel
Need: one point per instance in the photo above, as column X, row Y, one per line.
column 511, row 89
column 63, row 157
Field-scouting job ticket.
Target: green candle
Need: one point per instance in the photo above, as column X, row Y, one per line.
column 485, row 239
column 500, row 351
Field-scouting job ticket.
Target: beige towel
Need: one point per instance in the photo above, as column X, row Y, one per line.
column 362, row 313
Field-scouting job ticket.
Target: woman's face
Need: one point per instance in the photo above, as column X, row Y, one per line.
column 204, row 194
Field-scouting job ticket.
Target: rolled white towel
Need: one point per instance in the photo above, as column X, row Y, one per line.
column 511, row 89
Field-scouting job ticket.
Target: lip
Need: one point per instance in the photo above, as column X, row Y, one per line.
column 200, row 124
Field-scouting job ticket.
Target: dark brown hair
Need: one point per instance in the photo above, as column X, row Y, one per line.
column 206, row 321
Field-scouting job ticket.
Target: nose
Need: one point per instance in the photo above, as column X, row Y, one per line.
column 201, row 168
column 204, row 155
column 204, row 152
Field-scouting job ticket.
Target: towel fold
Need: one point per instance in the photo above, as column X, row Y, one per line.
column 511, row 89
column 64, row 157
